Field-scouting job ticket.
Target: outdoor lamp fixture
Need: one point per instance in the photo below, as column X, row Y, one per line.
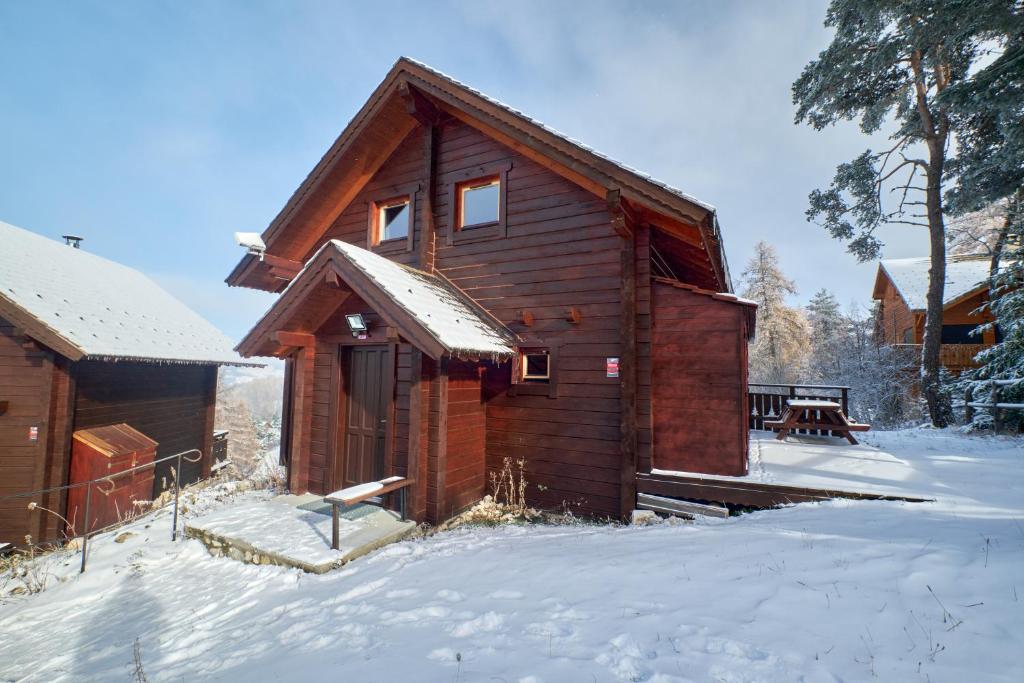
column 356, row 323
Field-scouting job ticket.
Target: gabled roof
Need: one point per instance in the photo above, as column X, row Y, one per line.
column 964, row 276
column 84, row 306
column 428, row 310
column 381, row 124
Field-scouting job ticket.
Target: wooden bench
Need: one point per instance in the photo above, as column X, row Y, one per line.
column 362, row 492
column 800, row 414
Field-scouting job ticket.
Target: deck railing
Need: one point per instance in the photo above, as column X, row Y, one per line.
column 952, row 355
column 767, row 401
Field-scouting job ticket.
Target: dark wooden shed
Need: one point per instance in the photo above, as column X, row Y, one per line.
column 85, row 342
column 598, row 335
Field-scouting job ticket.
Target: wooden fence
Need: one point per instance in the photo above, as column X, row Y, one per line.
column 767, row 401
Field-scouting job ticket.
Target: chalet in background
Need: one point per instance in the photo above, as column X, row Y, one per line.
column 901, row 288
column 88, row 343
column 461, row 285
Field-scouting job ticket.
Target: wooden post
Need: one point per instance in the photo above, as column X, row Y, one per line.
column 418, row 490
column 428, row 234
column 968, row 408
column 206, row 463
column 997, row 412
column 627, row 357
column 442, row 440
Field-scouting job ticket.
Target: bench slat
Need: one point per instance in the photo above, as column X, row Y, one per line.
column 360, row 492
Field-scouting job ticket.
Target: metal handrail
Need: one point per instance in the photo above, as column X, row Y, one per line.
column 109, row 479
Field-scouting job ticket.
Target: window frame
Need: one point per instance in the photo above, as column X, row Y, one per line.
column 478, row 232
column 523, row 387
column 391, row 197
column 524, row 375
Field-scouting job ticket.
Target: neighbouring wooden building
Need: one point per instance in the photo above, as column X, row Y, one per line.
column 901, row 288
column 460, row 285
column 86, row 342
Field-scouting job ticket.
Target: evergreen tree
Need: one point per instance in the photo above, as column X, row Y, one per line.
column 829, row 332
column 780, row 347
column 895, row 59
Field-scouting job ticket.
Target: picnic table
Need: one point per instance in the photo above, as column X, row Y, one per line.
column 820, row 415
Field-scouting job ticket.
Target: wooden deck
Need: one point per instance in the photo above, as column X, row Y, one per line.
column 806, row 470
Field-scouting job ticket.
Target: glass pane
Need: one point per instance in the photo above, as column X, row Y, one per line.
column 536, row 366
column 394, row 221
column 480, row 204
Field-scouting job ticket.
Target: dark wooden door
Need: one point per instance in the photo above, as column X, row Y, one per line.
column 366, row 415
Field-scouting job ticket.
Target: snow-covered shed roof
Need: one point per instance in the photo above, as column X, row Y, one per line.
column 429, row 311
column 910, row 277
column 85, row 306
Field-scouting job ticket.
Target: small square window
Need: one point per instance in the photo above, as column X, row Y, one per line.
column 393, row 220
column 536, row 366
column 479, row 203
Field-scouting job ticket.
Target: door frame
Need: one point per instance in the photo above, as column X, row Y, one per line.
column 338, row 407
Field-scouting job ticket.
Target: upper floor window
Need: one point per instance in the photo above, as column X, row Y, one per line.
column 479, row 203
column 908, row 335
column 394, row 219
column 477, row 196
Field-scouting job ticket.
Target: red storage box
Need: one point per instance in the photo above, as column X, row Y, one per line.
column 104, row 452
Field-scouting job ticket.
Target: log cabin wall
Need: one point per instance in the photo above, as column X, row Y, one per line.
column 26, row 378
column 965, row 313
column 699, row 398
column 560, row 252
column 897, row 317
column 170, row 403
column 465, row 469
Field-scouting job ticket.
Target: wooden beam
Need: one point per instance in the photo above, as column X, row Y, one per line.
column 419, row 105
column 442, row 441
column 627, row 377
column 618, row 213
column 428, row 230
column 418, row 492
column 282, row 268
column 294, row 339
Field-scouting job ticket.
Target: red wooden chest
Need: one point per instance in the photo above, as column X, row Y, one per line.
column 105, row 452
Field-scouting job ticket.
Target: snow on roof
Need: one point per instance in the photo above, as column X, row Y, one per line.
column 910, row 276
column 443, row 311
column 540, row 124
column 106, row 310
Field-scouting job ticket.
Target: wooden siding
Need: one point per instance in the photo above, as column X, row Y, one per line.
column 168, row 403
column 699, row 383
column 25, row 376
column 465, row 472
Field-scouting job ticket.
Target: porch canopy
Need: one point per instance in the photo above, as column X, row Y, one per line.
column 425, row 309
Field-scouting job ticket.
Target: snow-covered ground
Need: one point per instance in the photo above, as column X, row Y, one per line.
column 842, row 590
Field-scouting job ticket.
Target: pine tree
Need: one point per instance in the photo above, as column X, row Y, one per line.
column 779, row 351
column 898, row 59
column 829, row 332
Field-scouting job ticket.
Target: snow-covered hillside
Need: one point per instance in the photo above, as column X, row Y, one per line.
column 836, row 591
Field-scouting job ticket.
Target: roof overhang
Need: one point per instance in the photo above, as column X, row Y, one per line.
column 389, row 115
column 325, row 284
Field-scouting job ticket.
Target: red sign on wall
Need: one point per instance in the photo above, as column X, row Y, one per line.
column 612, row 367
column 33, row 434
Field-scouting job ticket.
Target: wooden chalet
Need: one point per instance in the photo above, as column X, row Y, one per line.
column 901, row 288
column 84, row 343
column 460, row 284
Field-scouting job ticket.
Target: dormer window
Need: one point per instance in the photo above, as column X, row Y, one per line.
column 479, row 203
column 395, row 219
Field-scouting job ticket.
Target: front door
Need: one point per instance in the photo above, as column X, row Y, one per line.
column 366, row 414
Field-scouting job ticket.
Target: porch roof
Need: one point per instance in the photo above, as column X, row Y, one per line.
column 428, row 310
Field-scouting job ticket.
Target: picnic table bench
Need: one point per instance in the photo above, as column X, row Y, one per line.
column 362, row 492
column 811, row 414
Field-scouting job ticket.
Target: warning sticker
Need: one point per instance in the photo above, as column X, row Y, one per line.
column 612, row 367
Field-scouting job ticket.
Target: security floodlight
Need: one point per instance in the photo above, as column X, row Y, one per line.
column 252, row 242
column 356, row 323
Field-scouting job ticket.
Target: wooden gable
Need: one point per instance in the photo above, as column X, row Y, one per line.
column 402, row 112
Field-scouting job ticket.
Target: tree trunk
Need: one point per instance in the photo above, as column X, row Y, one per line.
column 931, row 383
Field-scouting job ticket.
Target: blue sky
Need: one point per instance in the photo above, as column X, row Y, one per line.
column 157, row 129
